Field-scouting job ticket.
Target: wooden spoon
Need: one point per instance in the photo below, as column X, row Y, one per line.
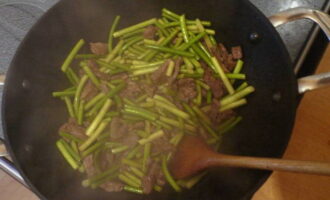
column 194, row 155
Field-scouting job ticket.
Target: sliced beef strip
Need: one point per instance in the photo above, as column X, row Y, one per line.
column 223, row 50
column 136, row 126
column 161, row 179
column 122, row 76
column 215, row 84
column 106, row 159
column 162, row 145
column 227, row 59
column 237, row 52
column 216, row 116
column 130, row 139
column 150, row 179
column 89, row 91
column 118, row 128
column 148, row 89
column 73, row 128
column 112, row 186
column 215, row 51
column 158, row 76
column 99, row 48
column 150, row 32
column 88, row 165
column 177, row 64
column 131, row 91
column 222, row 116
column 230, row 63
column 186, row 89
column 104, row 87
column 95, row 69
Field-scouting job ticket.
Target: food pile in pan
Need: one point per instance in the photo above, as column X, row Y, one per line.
column 132, row 99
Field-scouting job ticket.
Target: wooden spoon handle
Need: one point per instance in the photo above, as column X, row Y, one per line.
column 310, row 167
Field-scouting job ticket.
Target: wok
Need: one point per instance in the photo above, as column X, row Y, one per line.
column 31, row 116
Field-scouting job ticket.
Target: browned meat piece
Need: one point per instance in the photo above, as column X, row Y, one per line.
column 149, row 181
column 73, row 128
column 215, row 84
column 222, row 116
column 99, row 48
column 223, row 50
column 95, row 69
column 89, row 91
column 237, row 52
column 148, row 89
column 178, row 62
column 136, row 126
column 118, row 128
column 227, row 59
column 186, row 89
column 104, row 87
column 216, row 116
column 161, row 179
column 159, row 76
column 89, row 167
column 150, row 32
column 121, row 76
column 106, row 159
column 230, row 63
column 130, row 139
column 220, row 57
column 112, row 186
column 162, row 145
column 131, row 91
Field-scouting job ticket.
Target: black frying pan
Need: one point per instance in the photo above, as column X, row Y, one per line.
column 32, row 116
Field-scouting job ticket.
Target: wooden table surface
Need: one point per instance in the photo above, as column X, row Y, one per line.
column 310, row 141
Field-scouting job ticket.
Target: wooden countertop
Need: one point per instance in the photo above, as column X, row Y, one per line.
column 310, row 141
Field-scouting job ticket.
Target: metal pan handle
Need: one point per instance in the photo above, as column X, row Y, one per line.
column 311, row 82
column 5, row 164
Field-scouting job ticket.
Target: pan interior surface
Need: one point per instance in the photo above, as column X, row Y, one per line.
column 32, row 116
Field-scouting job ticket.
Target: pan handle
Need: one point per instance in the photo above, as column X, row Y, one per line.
column 311, row 82
column 7, row 166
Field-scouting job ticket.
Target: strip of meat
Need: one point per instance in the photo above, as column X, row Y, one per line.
column 216, row 116
column 99, row 48
column 215, row 84
column 73, row 128
column 226, row 59
column 159, row 76
column 186, row 89
column 88, row 165
column 150, row 179
column 106, row 159
column 215, row 51
column 148, row 89
column 95, row 69
column 237, row 52
column 118, row 128
column 230, row 63
column 162, row 145
column 131, row 91
column 104, row 87
column 150, row 32
column 89, row 91
column 112, row 186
